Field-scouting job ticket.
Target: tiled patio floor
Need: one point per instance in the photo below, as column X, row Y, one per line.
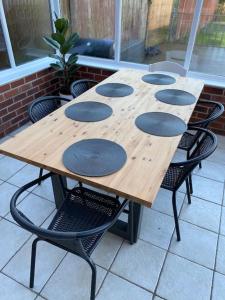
column 157, row 267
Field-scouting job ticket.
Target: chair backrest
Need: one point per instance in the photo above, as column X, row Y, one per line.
column 213, row 111
column 168, row 66
column 43, row 106
column 78, row 87
column 206, row 143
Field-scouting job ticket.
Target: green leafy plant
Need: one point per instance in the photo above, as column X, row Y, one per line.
column 62, row 41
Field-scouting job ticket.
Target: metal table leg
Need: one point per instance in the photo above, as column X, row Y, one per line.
column 128, row 230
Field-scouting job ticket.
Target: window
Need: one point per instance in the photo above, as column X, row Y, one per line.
column 94, row 21
column 4, row 61
column 27, row 22
column 209, row 51
column 156, row 30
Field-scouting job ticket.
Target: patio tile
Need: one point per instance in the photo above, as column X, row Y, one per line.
column 35, row 208
column 45, row 190
column 221, row 141
column 218, row 156
column 220, row 259
column 202, row 213
column 184, row 280
column 222, row 226
column 211, row 170
column 47, row 259
column 6, row 192
column 193, row 240
column 117, row 288
column 156, row 228
column 25, row 175
column 72, row 279
column 139, row 263
column 163, row 202
column 207, row 189
column 218, row 292
column 11, row 290
column 179, row 155
column 106, row 251
column 71, row 183
column 9, row 166
column 12, row 238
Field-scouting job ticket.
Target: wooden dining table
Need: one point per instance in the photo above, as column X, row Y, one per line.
column 148, row 156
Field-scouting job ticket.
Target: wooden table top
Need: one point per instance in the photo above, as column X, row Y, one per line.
column 148, row 156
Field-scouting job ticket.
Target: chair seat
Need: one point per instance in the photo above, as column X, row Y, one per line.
column 187, row 141
column 172, row 177
column 83, row 210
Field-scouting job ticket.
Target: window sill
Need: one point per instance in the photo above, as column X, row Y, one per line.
column 12, row 74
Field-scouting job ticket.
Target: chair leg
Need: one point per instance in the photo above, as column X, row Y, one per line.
column 93, row 278
column 40, row 174
column 175, row 215
column 33, row 259
column 200, row 165
column 131, row 222
column 188, row 190
column 190, row 184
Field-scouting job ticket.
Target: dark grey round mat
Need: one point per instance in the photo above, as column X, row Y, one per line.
column 175, row 97
column 114, row 90
column 94, row 157
column 90, row 111
column 158, row 79
column 160, row 124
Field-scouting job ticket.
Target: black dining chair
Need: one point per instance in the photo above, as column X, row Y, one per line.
column 78, row 87
column 78, row 225
column 42, row 107
column 214, row 110
column 178, row 172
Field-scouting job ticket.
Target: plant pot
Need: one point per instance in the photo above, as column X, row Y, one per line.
column 67, row 96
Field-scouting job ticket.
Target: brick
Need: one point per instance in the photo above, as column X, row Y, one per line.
column 19, row 97
column 37, row 82
column 83, row 69
column 27, row 100
column 44, row 85
column 17, row 83
column 94, row 70
column 14, row 106
column 100, row 78
column 10, row 93
column 17, row 119
column 11, row 128
column 87, row 75
column 213, row 90
column 4, row 88
column 42, row 73
column 9, row 116
column 31, row 77
column 6, row 103
column 205, row 96
column 108, row 72
column 3, row 112
column 25, row 87
column 33, row 91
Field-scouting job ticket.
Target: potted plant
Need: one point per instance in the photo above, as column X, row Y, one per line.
column 66, row 64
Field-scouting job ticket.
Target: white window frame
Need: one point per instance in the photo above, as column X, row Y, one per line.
column 16, row 72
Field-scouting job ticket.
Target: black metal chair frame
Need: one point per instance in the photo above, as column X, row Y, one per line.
column 73, row 242
column 181, row 170
column 216, row 111
column 34, row 117
column 81, row 82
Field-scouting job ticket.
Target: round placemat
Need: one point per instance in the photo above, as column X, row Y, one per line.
column 94, row 157
column 114, row 90
column 90, row 111
column 158, row 79
column 175, row 97
column 160, row 124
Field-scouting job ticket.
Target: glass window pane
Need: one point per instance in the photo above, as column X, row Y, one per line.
column 209, row 52
column 156, row 30
column 4, row 61
column 94, row 21
column 28, row 21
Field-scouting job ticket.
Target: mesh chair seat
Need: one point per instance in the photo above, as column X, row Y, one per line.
column 83, row 210
column 79, row 87
column 187, row 141
column 172, row 177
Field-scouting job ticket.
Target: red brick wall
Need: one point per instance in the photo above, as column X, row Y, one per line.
column 17, row 95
